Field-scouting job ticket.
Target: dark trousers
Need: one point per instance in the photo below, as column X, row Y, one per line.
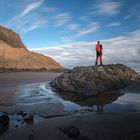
column 98, row 54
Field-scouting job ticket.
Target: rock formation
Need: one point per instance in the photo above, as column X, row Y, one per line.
column 11, row 38
column 90, row 80
column 4, row 123
column 15, row 56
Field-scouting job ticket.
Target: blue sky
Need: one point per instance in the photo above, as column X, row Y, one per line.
column 67, row 30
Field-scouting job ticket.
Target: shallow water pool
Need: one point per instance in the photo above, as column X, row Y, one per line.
column 42, row 93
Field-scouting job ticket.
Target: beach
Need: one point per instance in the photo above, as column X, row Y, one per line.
column 55, row 118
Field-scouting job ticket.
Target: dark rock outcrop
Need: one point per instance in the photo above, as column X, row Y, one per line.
column 72, row 131
column 14, row 56
column 4, row 123
column 4, row 119
column 28, row 118
column 92, row 80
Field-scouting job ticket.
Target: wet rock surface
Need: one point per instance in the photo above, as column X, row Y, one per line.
column 88, row 81
column 28, row 118
column 74, row 133
column 4, row 119
column 4, row 123
column 15, row 120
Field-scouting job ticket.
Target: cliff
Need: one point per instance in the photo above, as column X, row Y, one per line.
column 15, row 56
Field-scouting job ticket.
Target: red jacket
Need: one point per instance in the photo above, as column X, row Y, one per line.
column 99, row 47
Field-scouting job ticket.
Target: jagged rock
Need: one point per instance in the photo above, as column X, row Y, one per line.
column 14, row 56
column 22, row 113
column 72, row 131
column 4, row 120
column 28, row 118
column 92, row 80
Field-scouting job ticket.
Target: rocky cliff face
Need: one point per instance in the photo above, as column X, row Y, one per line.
column 88, row 81
column 15, row 56
column 11, row 38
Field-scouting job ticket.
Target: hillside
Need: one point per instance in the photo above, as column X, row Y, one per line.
column 15, row 56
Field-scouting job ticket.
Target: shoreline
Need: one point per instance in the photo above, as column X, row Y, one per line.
column 14, row 70
column 92, row 125
column 100, row 126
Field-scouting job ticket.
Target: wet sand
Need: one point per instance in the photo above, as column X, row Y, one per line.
column 107, row 125
column 11, row 82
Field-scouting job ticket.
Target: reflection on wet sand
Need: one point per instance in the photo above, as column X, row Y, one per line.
column 98, row 100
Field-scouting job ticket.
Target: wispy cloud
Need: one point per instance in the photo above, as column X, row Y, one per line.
column 116, row 50
column 27, row 20
column 85, row 18
column 81, row 32
column 36, row 23
column 73, row 26
column 106, row 7
column 88, row 30
column 114, row 24
column 27, row 23
column 30, row 7
column 128, row 16
column 49, row 9
column 61, row 19
column 134, row 12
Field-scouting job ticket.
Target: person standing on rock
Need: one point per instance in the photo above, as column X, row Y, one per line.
column 99, row 53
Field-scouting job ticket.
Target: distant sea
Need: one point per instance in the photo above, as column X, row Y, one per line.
column 136, row 67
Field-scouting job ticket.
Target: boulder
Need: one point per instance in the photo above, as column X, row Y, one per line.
column 4, row 123
column 91, row 80
column 28, row 118
column 71, row 131
column 4, row 120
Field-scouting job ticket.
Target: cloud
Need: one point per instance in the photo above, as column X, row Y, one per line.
column 128, row 16
column 27, row 20
column 114, row 24
column 31, row 7
column 27, row 23
column 134, row 12
column 73, row 26
column 123, row 49
column 61, row 19
column 85, row 18
column 93, row 27
column 36, row 23
column 49, row 9
column 107, row 8
column 69, row 55
column 81, row 32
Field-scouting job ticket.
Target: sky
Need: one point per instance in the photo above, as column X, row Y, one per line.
column 67, row 30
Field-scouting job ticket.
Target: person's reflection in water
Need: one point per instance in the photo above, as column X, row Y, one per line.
column 100, row 109
column 101, row 101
